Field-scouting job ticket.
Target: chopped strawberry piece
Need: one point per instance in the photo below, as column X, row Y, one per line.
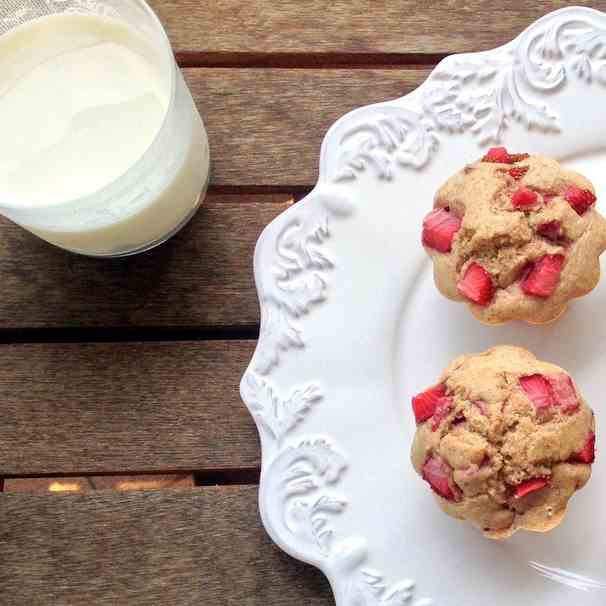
column 544, row 276
column 552, row 230
column 443, row 409
column 524, row 197
column 517, row 172
column 579, row 199
column 439, row 476
column 564, row 393
column 476, row 285
column 439, row 228
column 539, row 390
column 530, row 486
column 497, row 155
column 424, row 404
column 587, row 455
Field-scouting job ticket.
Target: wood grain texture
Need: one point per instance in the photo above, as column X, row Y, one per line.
column 177, row 548
column 266, row 125
column 202, row 277
column 349, row 26
column 124, row 407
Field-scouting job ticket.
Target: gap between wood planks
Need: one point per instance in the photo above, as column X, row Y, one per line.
column 127, row 334
column 308, row 60
column 163, row 480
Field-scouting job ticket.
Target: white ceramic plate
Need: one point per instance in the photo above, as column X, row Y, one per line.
column 352, row 326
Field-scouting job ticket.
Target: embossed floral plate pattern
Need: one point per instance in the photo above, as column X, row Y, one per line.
column 352, row 326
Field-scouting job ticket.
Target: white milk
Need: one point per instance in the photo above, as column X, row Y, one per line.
column 82, row 98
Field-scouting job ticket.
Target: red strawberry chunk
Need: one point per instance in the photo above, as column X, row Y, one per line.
column 524, row 197
column 497, row 155
column 439, row 476
column 539, row 390
column 476, row 285
column 443, row 409
column 530, row 486
column 424, row 404
column 439, row 229
column 544, row 276
column 580, row 199
column 587, row 455
column 564, row 393
column 517, row 172
column 552, row 230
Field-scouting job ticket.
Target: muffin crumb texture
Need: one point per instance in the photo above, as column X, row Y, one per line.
column 516, row 237
column 504, row 441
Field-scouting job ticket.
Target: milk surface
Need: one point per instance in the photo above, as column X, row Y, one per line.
column 81, row 99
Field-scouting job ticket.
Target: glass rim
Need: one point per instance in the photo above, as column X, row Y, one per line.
column 90, row 197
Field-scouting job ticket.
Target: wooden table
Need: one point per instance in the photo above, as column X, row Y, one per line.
column 129, row 464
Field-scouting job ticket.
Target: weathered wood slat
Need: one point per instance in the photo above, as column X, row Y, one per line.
column 349, row 26
column 182, row 548
column 266, row 125
column 203, row 277
column 124, row 407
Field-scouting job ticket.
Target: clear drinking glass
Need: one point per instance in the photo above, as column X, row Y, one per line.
column 154, row 196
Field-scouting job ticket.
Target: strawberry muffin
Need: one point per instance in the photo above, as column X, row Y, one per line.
column 504, row 440
column 516, row 237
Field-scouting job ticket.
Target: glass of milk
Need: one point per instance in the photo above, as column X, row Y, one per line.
column 102, row 150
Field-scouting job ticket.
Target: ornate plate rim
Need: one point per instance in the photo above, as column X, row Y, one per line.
column 402, row 133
